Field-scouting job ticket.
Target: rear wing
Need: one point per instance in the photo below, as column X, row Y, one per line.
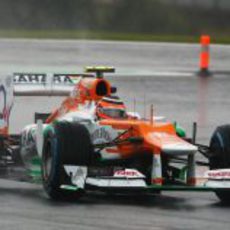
column 41, row 84
column 32, row 84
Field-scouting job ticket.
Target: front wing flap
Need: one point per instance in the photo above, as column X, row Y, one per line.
column 132, row 179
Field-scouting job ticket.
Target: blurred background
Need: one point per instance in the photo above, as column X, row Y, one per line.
column 154, row 20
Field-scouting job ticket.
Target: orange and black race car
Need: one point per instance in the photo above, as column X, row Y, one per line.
column 91, row 142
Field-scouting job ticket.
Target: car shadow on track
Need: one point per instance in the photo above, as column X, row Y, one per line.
column 144, row 200
column 175, row 201
column 166, row 202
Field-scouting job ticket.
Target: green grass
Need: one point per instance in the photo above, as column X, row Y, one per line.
column 93, row 35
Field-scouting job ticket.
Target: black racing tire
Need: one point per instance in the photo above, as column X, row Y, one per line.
column 64, row 143
column 220, row 158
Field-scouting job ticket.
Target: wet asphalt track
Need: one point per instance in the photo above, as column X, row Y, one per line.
column 181, row 97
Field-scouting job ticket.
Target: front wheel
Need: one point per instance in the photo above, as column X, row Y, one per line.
column 220, row 159
column 65, row 143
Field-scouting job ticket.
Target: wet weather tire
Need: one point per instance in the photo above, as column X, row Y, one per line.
column 64, row 143
column 220, row 158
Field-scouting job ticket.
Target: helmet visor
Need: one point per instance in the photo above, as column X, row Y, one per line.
column 113, row 112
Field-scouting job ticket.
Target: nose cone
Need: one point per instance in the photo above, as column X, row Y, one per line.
column 171, row 144
column 179, row 148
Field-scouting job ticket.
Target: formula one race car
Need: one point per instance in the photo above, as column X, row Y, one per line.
column 91, row 142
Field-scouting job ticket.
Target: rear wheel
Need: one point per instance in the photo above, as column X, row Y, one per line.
column 65, row 143
column 220, row 148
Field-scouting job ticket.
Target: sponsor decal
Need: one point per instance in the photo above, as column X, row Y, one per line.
column 62, row 79
column 218, row 174
column 129, row 173
column 21, row 78
column 37, row 78
column 101, row 134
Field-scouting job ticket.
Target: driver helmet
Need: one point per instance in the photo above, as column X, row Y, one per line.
column 111, row 108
